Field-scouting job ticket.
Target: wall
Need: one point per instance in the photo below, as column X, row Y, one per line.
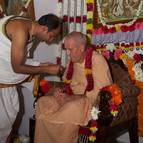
column 43, row 53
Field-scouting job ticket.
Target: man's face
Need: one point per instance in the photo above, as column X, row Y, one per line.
column 73, row 50
column 50, row 36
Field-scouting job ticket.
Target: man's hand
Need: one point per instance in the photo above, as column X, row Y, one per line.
column 53, row 69
column 59, row 95
column 58, row 69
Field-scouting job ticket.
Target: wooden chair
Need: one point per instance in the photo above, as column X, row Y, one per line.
column 108, row 127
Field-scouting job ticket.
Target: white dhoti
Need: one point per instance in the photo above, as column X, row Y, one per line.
column 9, row 106
column 9, row 103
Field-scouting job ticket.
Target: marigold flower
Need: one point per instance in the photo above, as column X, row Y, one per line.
column 67, row 81
column 88, row 71
column 92, row 138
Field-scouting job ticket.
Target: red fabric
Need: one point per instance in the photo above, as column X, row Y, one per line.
column 84, row 131
column 68, row 89
column 58, row 60
column 88, row 65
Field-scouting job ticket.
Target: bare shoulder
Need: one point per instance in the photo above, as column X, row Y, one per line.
column 15, row 27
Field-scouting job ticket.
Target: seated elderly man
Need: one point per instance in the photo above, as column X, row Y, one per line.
column 58, row 117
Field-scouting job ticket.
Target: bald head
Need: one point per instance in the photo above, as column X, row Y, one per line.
column 77, row 37
column 75, row 44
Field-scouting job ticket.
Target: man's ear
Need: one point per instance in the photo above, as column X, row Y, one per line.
column 44, row 28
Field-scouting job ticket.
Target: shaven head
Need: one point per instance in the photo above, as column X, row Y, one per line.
column 78, row 37
column 75, row 44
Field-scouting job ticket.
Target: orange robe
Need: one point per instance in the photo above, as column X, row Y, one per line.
column 57, row 121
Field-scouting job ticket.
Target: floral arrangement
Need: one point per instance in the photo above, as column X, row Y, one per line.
column 121, row 45
column 138, row 57
column 45, row 86
column 133, row 55
column 119, row 28
column 116, row 99
column 122, row 51
column 134, row 72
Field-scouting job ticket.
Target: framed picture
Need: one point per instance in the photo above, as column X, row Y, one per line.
column 115, row 11
column 15, row 7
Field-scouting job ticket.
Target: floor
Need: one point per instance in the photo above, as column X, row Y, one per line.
column 125, row 139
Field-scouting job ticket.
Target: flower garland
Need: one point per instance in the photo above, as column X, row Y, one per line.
column 78, row 14
column 137, row 67
column 93, row 128
column 68, row 79
column 90, row 9
column 138, row 70
column 121, row 50
column 88, row 73
column 135, row 56
column 93, row 123
column 45, row 86
column 138, row 25
column 123, row 46
column 118, row 25
column 74, row 13
column 42, row 85
column 116, row 99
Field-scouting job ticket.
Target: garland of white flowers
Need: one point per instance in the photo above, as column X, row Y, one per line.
column 128, row 23
column 138, row 71
column 76, row 10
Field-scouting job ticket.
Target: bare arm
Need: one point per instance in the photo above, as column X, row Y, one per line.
column 19, row 54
